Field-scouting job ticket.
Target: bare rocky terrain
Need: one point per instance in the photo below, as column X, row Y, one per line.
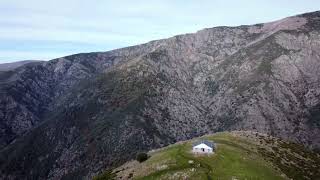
column 74, row 116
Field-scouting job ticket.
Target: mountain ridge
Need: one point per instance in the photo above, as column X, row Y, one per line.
column 13, row 65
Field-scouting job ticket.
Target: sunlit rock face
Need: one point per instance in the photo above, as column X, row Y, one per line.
column 74, row 116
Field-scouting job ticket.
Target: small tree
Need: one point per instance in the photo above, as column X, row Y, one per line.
column 142, row 157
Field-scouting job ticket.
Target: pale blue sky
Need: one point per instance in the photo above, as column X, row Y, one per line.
column 47, row 29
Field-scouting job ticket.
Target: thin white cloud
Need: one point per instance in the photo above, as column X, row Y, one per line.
column 9, row 56
column 122, row 23
column 64, row 35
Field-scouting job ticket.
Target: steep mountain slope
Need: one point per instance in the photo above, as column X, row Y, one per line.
column 26, row 93
column 80, row 114
column 237, row 155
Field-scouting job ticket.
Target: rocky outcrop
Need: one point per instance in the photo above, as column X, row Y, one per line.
column 83, row 113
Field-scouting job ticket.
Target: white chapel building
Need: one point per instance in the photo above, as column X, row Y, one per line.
column 203, row 147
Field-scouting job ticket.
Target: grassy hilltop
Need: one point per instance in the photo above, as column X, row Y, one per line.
column 239, row 155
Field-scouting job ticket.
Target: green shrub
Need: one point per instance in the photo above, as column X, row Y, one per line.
column 142, row 157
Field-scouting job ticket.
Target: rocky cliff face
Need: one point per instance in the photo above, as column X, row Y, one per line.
column 74, row 116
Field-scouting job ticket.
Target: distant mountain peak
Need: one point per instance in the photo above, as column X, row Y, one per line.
column 14, row 65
